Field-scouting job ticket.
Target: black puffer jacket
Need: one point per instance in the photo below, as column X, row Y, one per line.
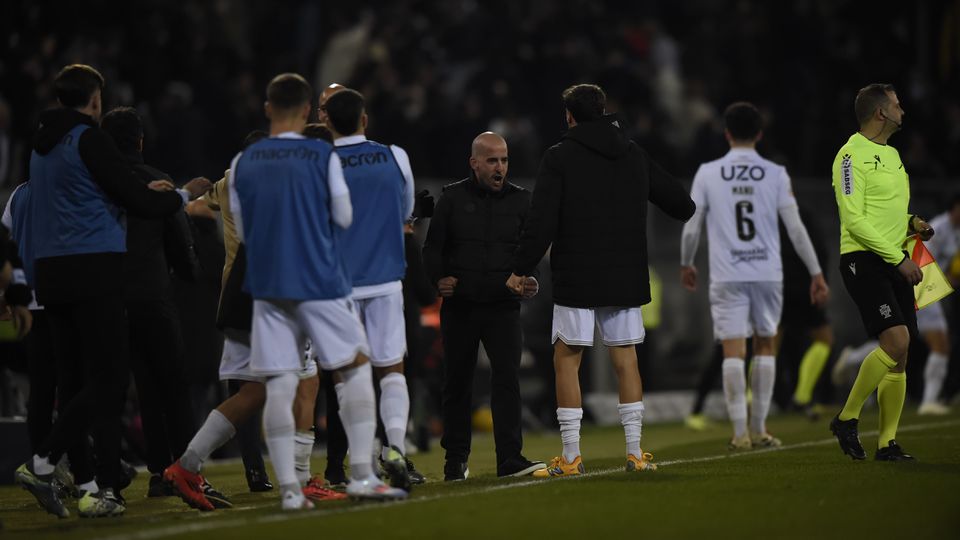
column 590, row 202
column 472, row 237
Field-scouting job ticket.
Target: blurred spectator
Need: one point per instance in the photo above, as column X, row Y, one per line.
column 441, row 72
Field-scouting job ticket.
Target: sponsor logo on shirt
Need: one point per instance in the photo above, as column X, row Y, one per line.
column 748, row 255
column 358, row 160
column 846, row 175
column 885, row 311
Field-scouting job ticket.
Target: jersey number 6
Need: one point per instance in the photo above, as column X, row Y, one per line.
column 745, row 227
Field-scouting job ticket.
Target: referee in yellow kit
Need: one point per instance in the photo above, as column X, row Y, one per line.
column 873, row 193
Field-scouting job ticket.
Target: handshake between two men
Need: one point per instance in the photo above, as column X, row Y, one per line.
column 523, row 286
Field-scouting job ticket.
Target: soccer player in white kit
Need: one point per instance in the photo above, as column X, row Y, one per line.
column 381, row 188
column 740, row 196
column 931, row 321
column 291, row 202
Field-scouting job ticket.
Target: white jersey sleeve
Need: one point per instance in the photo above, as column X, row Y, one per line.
column 785, row 197
column 690, row 238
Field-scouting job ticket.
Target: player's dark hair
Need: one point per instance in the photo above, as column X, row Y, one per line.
column 585, row 102
column 288, row 91
column 252, row 137
column 869, row 99
column 344, row 110
column 743, row 121
column 125, row 127
column 76, row 84
column 318, row 131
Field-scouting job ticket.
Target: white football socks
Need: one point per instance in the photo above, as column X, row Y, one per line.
column 394, row 411
column 214, row 433
column 90, row 487
column 735, row 394
column 42, row 465
column 303, row 450
column 358, row 411
column 631, row 416
column 569, row 419
column 762, row 376
column 279, row 427
column 933, row 375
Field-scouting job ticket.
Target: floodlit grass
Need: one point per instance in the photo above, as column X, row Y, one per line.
column 806, row 490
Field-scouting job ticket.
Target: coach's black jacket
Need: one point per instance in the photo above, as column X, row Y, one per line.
column 155, row 245
column 590, row 202
column 472, row 236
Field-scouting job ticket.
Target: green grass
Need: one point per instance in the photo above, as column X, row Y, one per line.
column 806, row 490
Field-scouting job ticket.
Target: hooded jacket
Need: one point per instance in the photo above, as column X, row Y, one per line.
column 590, row 203
column 81, row 188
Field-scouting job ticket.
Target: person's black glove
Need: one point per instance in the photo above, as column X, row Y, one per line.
column 423, row 205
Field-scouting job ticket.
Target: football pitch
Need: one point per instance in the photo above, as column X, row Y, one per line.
column 807, row 489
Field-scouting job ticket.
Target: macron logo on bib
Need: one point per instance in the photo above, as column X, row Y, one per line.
column 846, row 175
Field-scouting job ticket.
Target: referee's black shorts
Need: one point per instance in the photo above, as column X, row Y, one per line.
column 881, row 293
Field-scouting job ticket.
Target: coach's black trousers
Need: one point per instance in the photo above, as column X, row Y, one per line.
column 464, row 325
column 157, row 362
column 90, row 339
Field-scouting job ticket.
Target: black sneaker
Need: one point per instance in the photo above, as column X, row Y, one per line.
column 41, row 487
column 217, row 499
column 335, row 478
column 395, row 468
column 455, row 471
column 416, row 477
column 519, row 466
column 159, row 487
column 893, row 452
column 127, row 473
column 847, row 436
column 258, row 481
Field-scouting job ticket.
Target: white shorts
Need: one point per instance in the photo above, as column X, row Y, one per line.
column 618, row 326
column 742, row 309
column 931, row 319
column 281, row 328
column 235, row 363
column 382, row 318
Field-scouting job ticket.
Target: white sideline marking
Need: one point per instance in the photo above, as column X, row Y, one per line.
column 283, row 517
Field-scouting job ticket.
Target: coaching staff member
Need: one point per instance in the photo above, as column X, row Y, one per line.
column 590, row 202
column 154, row 246
column 81, row 187
column 473, row 233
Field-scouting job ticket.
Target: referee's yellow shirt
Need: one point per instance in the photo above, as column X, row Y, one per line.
column 873, row 193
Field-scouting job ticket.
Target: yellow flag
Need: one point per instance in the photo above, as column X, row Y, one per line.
column 934, row 285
